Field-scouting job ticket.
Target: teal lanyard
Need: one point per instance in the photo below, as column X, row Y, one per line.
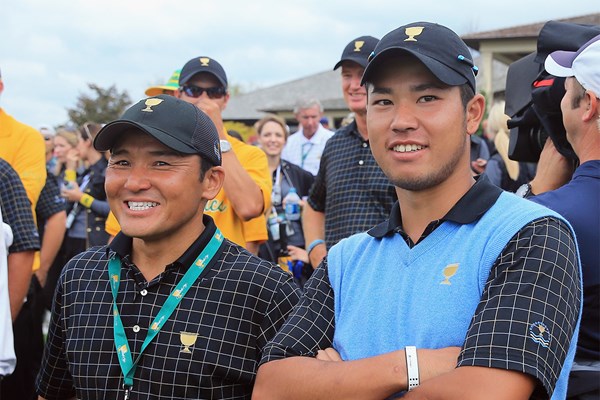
column 122, row 346
column 305, row 153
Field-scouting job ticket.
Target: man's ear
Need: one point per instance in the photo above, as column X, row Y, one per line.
column 474, row 113
column 213, row 182
column 591, row 106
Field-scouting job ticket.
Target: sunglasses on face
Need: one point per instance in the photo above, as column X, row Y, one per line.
column 196, row 91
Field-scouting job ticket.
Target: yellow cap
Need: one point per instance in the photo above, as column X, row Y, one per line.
column 172, row 84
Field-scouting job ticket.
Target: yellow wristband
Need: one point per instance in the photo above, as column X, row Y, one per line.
column 86, row 200
column 70, row 175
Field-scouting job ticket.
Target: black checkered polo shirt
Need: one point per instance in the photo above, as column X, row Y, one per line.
column 16, row 210
column 232, row 310
column 350, row 188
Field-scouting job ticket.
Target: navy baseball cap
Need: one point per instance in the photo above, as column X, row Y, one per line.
column 358, row 50
column 441, row 50
column 202, row 64
column 177, row 124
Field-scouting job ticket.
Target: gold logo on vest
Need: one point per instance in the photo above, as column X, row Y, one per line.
column 204, row 61
column 151, row 103
column 411, row 32
column 187, row 339
column 449, row 271
column 358, row 45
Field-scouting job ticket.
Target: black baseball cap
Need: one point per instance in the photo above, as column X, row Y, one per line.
column 358, row 51
column 202, row 64
column 441, row 50
column 177, row 124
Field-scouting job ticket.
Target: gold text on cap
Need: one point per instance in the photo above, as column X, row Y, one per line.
column 411, row 32
column 358, row 45
column 204, row 61
column 151, row 103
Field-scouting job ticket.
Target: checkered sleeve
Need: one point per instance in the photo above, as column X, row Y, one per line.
column 318, row 190
column 49, row 202
column 54, row 380
column 16, row 210
column 285, row 298
column 310, row 326
column 529, row 309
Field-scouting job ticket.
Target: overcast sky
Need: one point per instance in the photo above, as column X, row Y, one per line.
column 50, row 50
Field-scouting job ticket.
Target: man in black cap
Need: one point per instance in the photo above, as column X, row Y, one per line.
column 447, row 269
column 170, row 309
column 350, row 193
column 238, row 209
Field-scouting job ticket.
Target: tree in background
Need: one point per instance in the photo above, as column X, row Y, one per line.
column 101, row 106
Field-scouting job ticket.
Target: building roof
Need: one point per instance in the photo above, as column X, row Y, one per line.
column 529, row 31
column 506, row 45
column 324, row 86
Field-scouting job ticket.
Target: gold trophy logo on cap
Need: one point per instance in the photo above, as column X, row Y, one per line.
column 204, row 61
column 151, row 103
column 413, row 31
column 358, row 45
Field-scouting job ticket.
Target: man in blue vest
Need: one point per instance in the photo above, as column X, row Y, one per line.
column 459, row 263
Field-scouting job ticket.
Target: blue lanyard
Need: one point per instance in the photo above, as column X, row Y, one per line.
column 128, row 366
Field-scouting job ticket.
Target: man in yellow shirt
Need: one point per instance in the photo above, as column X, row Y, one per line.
column 238, row 209
column 246, row 193
column 23, row 148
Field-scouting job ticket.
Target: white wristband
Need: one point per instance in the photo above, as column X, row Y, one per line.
column 412, row 367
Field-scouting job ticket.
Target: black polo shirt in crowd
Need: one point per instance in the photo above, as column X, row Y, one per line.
column 232, row 310
column 16, row 210
column 350, row 188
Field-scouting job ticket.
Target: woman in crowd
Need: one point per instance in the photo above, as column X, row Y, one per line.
column 286, row 238
column 65, row 147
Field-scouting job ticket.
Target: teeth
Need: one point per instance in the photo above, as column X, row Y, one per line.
column 141, row 205
column 407, row 148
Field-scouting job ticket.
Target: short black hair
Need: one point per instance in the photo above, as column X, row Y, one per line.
column 205, row 166
column 466, row 94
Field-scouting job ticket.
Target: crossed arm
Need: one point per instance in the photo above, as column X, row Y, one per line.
column 483, row 369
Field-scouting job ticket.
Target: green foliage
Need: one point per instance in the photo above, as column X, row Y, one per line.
column 101, row 106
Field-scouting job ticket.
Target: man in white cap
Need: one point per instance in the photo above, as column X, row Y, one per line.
column 577, row 198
